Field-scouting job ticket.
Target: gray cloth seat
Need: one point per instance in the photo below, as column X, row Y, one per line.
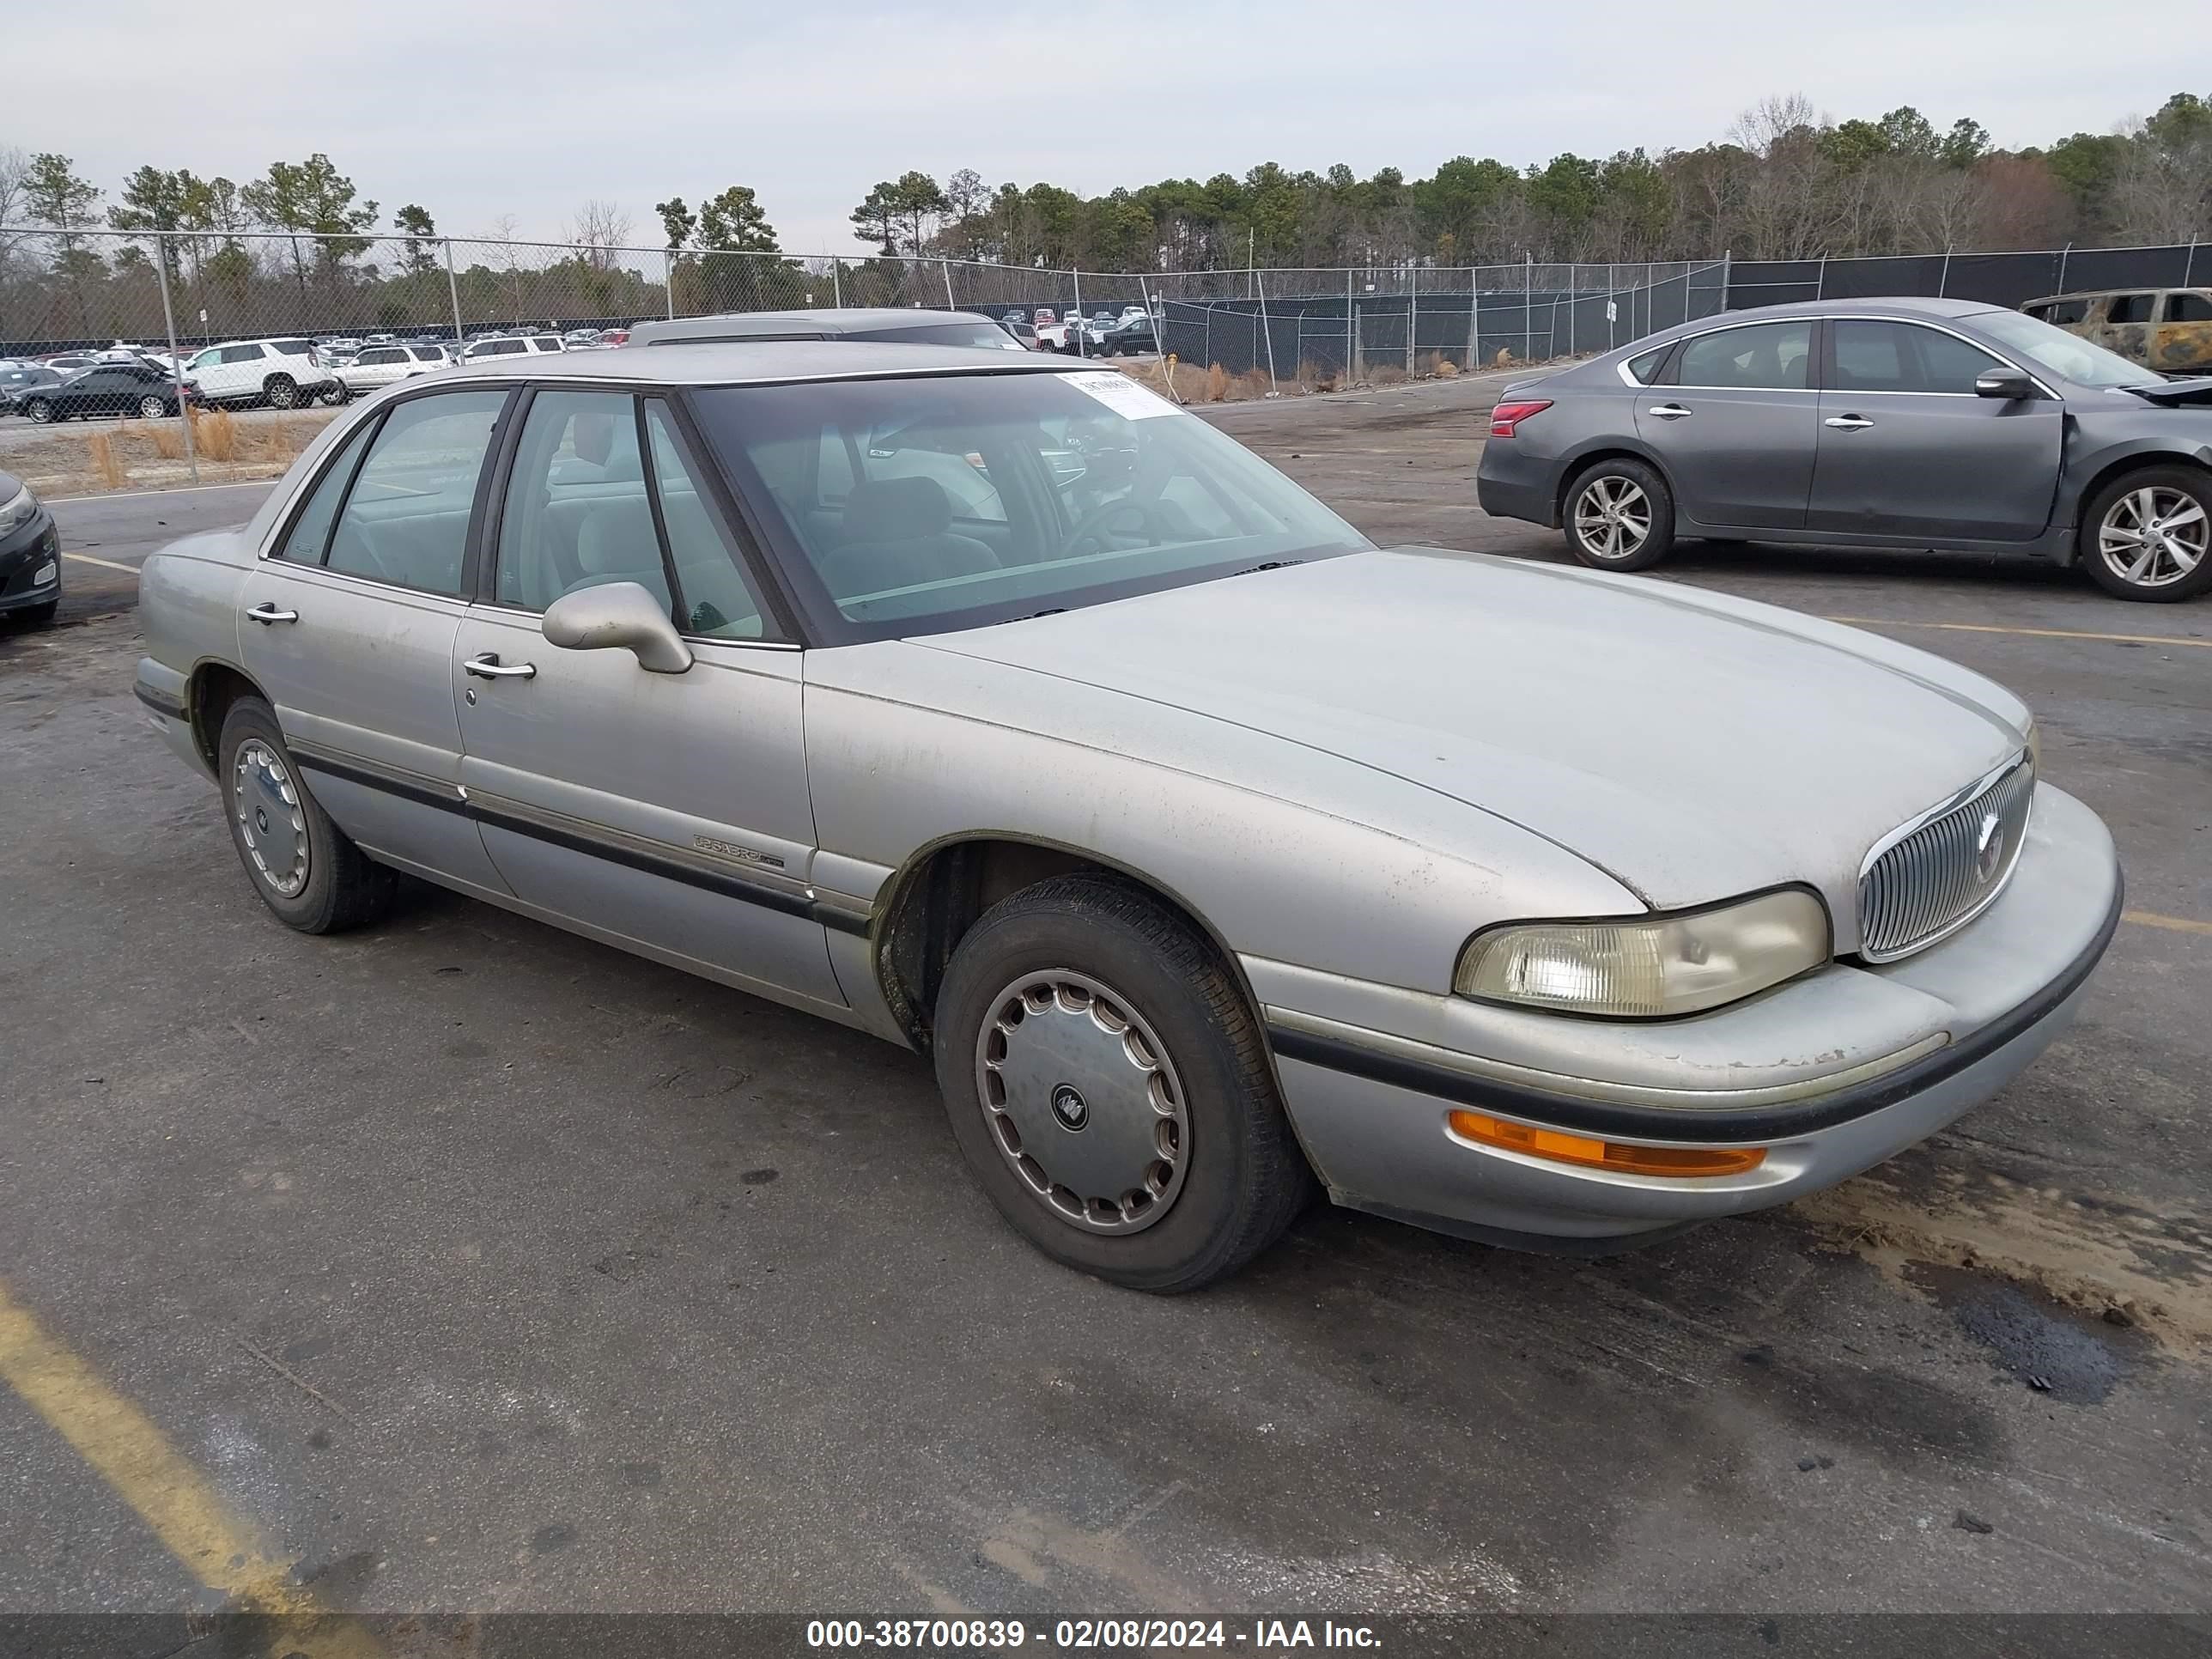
column 897, row 532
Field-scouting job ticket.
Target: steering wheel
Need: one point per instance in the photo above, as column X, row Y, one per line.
column 1098, row 517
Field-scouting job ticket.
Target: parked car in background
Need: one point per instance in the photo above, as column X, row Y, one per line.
column 17, row 380
column 283, row 373
column 614, row 337
column 1056, row 333
column 30, row 555
column 582, row 336
column 104, row 389
column 384, row 365
column 2166, row 329
column 886, row 325
column 1023, row 330
column 1129, row 336
column 68, row 362
column 1213, row 855
column 1905, row 423
column 511, row 345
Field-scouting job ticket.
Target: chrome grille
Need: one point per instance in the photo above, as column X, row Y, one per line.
column 1935, row 874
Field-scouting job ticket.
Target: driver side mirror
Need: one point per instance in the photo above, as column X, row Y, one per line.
column 617, row 614
column 2009, row 383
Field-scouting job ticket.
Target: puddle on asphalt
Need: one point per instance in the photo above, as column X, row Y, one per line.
column 2047, row 1348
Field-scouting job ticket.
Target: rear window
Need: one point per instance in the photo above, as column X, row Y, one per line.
column 547, row 342
column 294, row 348
column 2127, row 308
column 2188, row 307
column 1644, row 365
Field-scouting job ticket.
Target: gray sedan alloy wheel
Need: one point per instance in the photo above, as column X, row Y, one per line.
column 1613, row 518
column 2153, row 537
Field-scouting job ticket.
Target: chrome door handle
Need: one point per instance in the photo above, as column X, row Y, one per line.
column 486, row 666
column 265, row 613
column 1669, row 411
column 1847, row 423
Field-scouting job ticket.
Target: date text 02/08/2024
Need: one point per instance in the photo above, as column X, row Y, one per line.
column 1263, row 1636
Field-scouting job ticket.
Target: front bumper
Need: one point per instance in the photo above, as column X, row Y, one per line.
column 31, row 564
column 1831, row 1073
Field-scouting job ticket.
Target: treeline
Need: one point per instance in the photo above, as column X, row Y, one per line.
column 1784, row 183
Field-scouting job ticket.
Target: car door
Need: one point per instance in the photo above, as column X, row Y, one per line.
column 666, row 810
column 2181, row 341
column 349, row 622
column 1735, row 424
column 2126, row 325
column 1908, row 450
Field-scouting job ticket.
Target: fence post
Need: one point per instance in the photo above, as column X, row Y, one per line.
column 1474, row 318
column 453, row 294
column 1574, row 294
column 1413, row 321
column 1158, row 321
column 1724, row 279
column 176, row 368
column 1274, row 387
column 1528, row 308
column 1944, row 279
column 836, row 282
column 668, row 280
column 1081, row 341
column 1351, row 357
column 2189, row 265
column 949, row 306
column 2063, row 252
column 1820, row 280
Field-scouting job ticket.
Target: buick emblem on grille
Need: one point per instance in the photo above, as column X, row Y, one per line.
column 1989, row 847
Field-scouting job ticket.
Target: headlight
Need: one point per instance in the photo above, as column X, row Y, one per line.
column 1649, row 966
column 18, row 511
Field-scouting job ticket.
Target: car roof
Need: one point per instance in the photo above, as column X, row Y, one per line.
column 847, row 320
column 761, row 362
column 2101, row 293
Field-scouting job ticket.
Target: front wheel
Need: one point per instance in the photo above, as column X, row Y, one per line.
column 40, row 410
column 2149, row 536
column 281, row 391
column 1110, row 1090
column 332, row 396
column 152, row 408
column 1619, row 516
column 303, row 866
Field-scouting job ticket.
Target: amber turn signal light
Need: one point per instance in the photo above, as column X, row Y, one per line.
column 1606, row 1154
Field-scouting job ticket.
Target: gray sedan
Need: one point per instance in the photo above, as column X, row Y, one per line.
column 1909, row 423
column 996, row 707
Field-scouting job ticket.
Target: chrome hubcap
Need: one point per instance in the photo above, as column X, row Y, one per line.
column 1083, row 1101
column 2152, row 537
column 1612, row 518
column 272, row 827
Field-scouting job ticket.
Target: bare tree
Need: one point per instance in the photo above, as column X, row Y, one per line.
column 598, row 230
column 508, row 254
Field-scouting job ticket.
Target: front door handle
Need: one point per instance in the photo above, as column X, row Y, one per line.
column 486, row 666
column 1847, row 423
column 1669, row 411
column 266, row 614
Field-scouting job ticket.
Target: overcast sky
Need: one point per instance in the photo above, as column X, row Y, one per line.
column 477, row 108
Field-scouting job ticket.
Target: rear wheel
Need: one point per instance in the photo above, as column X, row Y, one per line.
column 332, row 395
column 40, row 410
column 151, row 408
column 281, row 391
column 302, row 865
column 2148, row 536
column 1619, row 516
column 1110, row 1088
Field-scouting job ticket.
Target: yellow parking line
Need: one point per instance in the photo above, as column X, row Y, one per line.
column 2172, row 924
column 136, row 1460
column 2037, row 633
column 105, row 564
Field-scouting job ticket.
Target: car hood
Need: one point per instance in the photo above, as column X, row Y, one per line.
column 1691, row 745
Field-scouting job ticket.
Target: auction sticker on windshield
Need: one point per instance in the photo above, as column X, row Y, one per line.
column 1123, row 395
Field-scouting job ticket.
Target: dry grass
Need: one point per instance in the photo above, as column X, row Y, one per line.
column 1438, row 367
column 106, row 463
column 1254, row 382
column 215, row 434
column 169, row 440
column 1217, row 384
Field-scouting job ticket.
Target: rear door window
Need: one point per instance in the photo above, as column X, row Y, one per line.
column 1759, row 356
column 2188, row 307
column 2127, row 308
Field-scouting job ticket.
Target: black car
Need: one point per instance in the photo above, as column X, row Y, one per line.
column 30, row 555
column 17, row 383
column 105, row 389
column 1128, row 337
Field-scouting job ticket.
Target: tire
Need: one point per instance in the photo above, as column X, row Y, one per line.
column 341, row 886
column 281, row 391
column 1215, row 1175
column 332, row 395
column 1620, row 484
column 152, row 408
column 40, row 410
column 2173, row 566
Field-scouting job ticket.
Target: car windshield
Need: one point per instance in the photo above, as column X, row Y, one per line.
column 977, row 333
column 2067, row 355
column 918, row 505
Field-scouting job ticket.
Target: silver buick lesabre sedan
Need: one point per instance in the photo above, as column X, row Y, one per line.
column 997, row 707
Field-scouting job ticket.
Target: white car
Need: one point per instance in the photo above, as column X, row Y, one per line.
column 284, row 373
column 512, row 345
column 380, row 366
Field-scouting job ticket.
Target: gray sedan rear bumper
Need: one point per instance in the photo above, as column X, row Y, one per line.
column 1373, row 1109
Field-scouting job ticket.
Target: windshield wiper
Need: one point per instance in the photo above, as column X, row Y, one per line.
column 1049, row 611
column 1270, row 564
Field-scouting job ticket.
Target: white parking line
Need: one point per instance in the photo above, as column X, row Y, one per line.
column 176, row 490
column 105, row 564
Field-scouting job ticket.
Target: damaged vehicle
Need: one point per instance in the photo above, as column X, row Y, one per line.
column 1005, row 711
column 1896, row 423
column 2168, row 330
